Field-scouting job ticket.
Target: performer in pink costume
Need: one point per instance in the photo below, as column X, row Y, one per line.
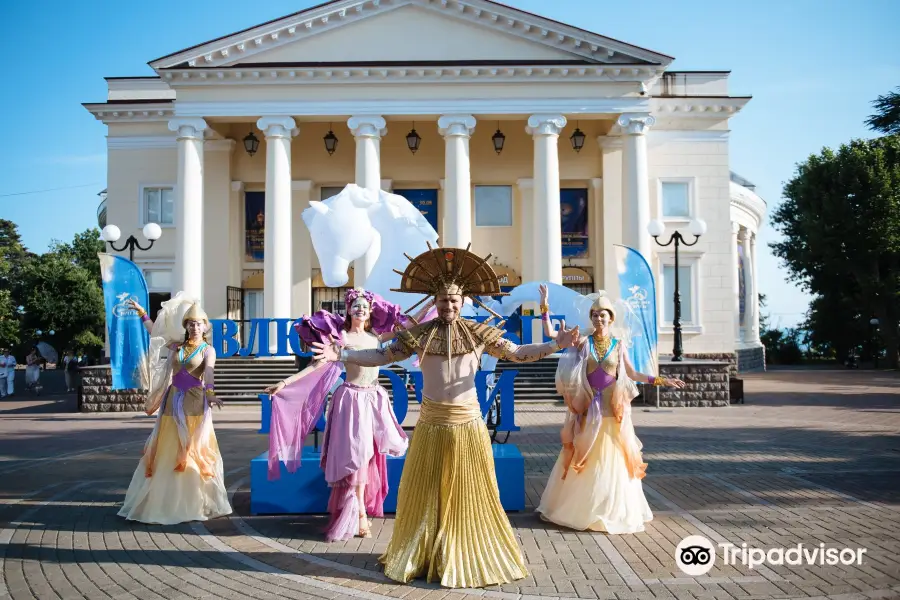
column 361, row 428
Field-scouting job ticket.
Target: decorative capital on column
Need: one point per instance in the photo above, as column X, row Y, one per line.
column 545, row 124
column 735, row 227
column 277, row 127
column 597, row 182
column 387, row 184
column 371, row 126
column 635, row 124
column 190, row 128
column 744, row 234
column 456, row 125
column 237, row 186
column 525, row 184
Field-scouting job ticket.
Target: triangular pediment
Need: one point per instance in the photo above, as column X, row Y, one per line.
column 398, row 31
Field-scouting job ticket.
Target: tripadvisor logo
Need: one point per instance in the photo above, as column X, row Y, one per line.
column 696, row 555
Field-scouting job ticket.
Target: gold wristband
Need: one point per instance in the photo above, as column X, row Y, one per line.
column 141, row 312
column 545, row 308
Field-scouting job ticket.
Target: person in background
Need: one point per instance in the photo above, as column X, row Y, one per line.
column 33, row 370
column 70, row 365
column 10, row 369
column 3, row 353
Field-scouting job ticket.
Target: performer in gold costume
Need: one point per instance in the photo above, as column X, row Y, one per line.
column 450, row 525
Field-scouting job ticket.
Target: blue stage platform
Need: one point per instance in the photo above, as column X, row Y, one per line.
column 305, row 490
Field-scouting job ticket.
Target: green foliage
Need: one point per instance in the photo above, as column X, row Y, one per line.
column 887, row 116
column 841, row 226
column 59, row 290
column 783, row 346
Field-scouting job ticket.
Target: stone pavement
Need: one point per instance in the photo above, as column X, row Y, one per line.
column 812, row 458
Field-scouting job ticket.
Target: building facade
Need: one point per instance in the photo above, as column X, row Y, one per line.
column 534, row 140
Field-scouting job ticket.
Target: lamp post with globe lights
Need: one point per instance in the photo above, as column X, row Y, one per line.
column 111, row 234
column 696, row 228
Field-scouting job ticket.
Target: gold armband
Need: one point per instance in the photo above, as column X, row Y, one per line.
column 545, row 308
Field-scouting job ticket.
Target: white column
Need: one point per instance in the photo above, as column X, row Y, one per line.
column 277, row 275
column 236, row 235
column 547, row 219
column 749, row 285
column 367, row 131
column 457, row 129
column 188, row 271
column 635, row 182
column 611, row 148
column 526, row 199
column 736, row 286
column 301, row 301
column 598, row 248
column 754, row 324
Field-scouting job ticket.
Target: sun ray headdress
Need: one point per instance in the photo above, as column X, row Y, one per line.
column 450, row 271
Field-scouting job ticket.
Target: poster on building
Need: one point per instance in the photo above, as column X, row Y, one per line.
column 255, row 229
column 574, row 219
column 425, row 201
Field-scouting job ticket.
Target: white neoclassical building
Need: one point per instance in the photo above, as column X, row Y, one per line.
column 537, row 141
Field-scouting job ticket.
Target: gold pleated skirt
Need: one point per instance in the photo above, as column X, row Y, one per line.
column 450, row 525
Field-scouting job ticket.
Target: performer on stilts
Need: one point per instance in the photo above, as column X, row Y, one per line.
column 596, row 482
column 450, row 525
column 180, row 475
column 361, row 427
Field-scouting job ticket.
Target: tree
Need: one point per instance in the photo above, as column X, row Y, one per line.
column 82, row 251
column 840, row 223
column 13, row 257
column 61, row 296
column 887, row 119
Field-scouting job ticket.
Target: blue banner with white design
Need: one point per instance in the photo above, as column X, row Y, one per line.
column 129, row 341
column 638, row 290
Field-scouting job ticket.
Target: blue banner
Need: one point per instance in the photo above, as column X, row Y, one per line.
column 128, row 339
column 638, row 289
column 426, row 201
column 573, row 206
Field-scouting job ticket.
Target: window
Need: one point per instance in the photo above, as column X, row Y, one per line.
column 493, row 206
column 327, row 192
column 158, row 281
column 677, row 197
column 159, row 205
column 685, row 287
column 688, row 286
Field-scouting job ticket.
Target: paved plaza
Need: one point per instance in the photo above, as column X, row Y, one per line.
column 812, row 458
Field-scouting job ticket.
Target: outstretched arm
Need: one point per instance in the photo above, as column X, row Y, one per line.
column 504, row 349
column 274, row 389
column 379, row 357
column 148, row 322
column 642, row 378
column 545, row 313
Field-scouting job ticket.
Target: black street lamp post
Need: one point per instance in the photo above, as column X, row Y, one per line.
column 111, row 234
column 696, row 228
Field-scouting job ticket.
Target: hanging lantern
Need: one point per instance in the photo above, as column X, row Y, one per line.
column 577, row 138
column 413, row 139
column 251, row 144
column 331, row 142
column 499, row 139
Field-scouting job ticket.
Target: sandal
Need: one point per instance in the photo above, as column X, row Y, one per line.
column 364, row 526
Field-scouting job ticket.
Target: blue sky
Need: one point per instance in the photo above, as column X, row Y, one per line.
column 812, row 66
